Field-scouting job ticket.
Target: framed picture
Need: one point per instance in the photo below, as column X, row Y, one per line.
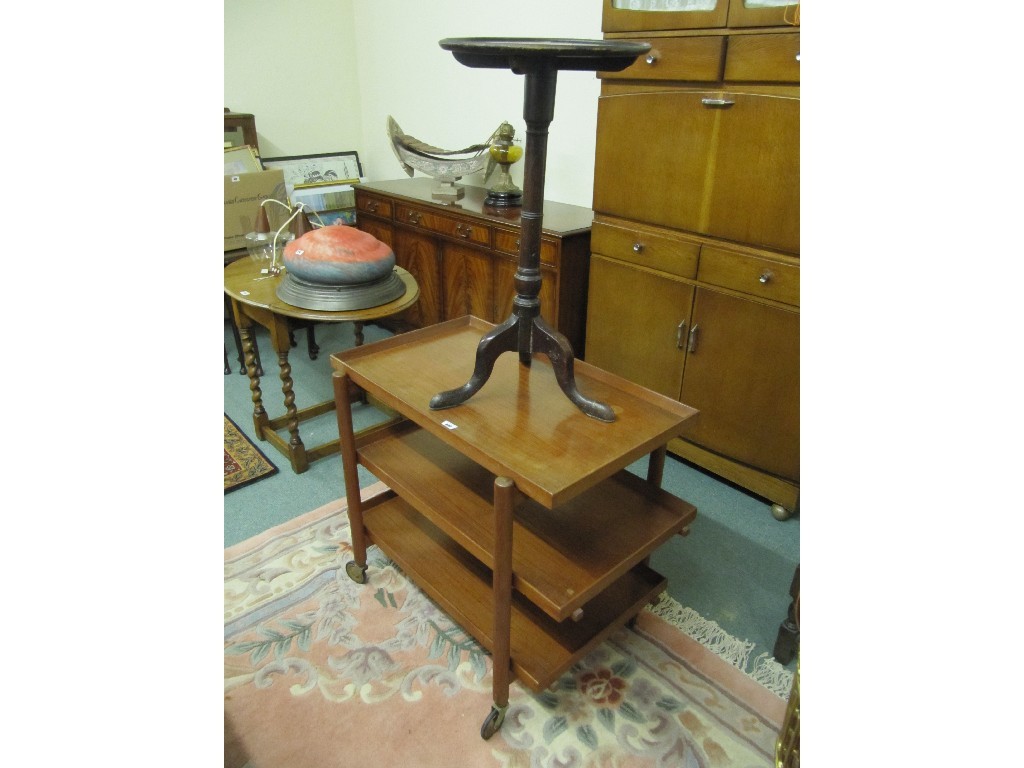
column 317, row 170
column 344, row 216
column 324, row 197
column 241, row 159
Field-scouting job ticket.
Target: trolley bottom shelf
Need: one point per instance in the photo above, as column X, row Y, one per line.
column 542, row 649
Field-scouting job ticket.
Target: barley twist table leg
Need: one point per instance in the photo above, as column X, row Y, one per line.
column 296, row 449
column 259, row 413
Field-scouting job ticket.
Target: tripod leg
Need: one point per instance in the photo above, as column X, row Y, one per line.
column 550, row 342
column 502, row 339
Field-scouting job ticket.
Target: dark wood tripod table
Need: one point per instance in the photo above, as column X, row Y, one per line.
column 525, row 330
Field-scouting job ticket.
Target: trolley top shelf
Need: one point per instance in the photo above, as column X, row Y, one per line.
column 520, row 424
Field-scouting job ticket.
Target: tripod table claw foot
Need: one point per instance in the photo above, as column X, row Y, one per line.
column 499, row 340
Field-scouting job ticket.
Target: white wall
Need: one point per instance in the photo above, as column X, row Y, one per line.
column 368, row 59
column 293, row 66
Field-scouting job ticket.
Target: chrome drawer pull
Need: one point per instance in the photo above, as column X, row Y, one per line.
column 717, row 102
column 691, row 345
column 652, row 58
column 680, row 330
column 638, row 247
column 765, row 277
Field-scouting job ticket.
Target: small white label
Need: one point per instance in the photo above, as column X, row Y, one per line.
column 243, row 293
column 448, row 425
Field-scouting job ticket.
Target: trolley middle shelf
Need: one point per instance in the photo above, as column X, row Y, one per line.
column 562, row 558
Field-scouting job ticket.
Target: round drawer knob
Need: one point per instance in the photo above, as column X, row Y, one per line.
column 652, row 58
column 765, row 277
column 638, row 247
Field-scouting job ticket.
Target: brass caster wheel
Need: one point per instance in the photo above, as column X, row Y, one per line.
column 779, row 512
column 356, row 572
column 493, row 722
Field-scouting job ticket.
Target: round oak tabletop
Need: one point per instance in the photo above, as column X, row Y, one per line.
column 246, row 283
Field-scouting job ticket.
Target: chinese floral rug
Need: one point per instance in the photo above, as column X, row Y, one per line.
column 321, row 671
column 244, row 463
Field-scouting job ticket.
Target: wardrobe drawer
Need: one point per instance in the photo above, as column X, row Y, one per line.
column 374, row 205
column 764, row 58
column 676, row 58
column 443, row 225
column 744, row 272
column 508, row 242
column 645, row 247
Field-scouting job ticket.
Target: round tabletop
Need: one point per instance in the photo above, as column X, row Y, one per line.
column 526, row 53
column 245, row 283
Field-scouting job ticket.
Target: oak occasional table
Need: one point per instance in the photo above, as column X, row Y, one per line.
column 253, row 296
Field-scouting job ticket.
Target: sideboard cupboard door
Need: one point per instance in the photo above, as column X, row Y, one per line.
column 637, row 324
column 697, row 168
column 468, row 282
column 743, row 374
column 378, row 229
column 418, row 253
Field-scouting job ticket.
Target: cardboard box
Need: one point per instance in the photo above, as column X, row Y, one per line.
column 243, row 194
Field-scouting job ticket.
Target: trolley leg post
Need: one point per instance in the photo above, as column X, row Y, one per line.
column 504, row 503
column 356, row 569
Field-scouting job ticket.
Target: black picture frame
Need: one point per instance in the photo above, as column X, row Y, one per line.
column 317, row 170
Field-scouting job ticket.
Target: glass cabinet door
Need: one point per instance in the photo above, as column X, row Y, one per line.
column 763, row 13
column 652, row 15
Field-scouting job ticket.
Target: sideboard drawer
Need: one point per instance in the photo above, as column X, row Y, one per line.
column 443, row 225
column 508, row 242
column 646, row 247
column 776, row 280
column 676, row 58
column 374, row 205
column 765, row 58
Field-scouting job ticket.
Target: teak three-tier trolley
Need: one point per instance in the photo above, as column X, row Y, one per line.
column 513, row 511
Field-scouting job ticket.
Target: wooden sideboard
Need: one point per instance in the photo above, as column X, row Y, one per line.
column 464, row 254
column 694, row 286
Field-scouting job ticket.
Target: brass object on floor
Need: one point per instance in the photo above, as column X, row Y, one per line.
column 787, row 746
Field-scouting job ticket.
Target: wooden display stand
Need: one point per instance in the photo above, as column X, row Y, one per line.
column 514, row 512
